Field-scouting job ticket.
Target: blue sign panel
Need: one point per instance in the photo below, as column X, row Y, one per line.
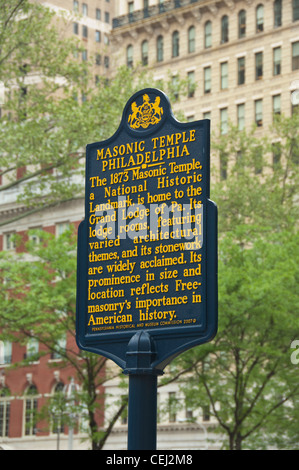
column 147, row 249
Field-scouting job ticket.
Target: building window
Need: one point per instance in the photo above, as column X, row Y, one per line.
column 106, row 62
column 75, row 28
column 160, row 49
column 242, row 24
column 35, row 236
column 61, row 228
column 259, row 18
column 98, row 36
column 208, row 34
column 85, row 31
column 75, row 5
column 295, row 101
column 84, row 55
column 241, row 116
column 130, row 56
column 9, row 242
column 60, row 348
column 130, row 8
column 188, row 413
column 241, row 71
column 224, row 29
column 206, row 115
column 84, row 9
column 277, row 10
column 30, row 410
column 175, row 44
column 258, row 65
column 57, row 424
column 295, row 10
column 276, row 106
column 144, row 53
column 191, row 84
column 258, row 106
column 223, row 121
column 206, row 413
column 295, row 55
column 277, row 61
column 161, row 6
column 98, row 13
column 207, row 79
column 32, row 348
column 98, row 59
column 191, row 39
column 4, row 411
column 145, row 8
column 224, row 75
column 5, row 352
column 107, row 17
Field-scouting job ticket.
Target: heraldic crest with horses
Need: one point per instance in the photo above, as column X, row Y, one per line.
column 145, row 114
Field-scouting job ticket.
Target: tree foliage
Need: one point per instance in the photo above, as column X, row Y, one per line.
column 38, row 301
column 245, row 375
column 52, row 107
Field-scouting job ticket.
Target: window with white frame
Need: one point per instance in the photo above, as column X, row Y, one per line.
column 5, row 352
column 224, row 29
column 208, row 34
column 30, row 409
column 62, row 227
column 191, row 83
column 258, row 106
column 242, row 24
column 207, row 72
column 295, row 55
column 191, row 39
column 4, row 411
column 32, row 348
column 9, row 241
column 160, row 49
column 130, row 56
column 223, row 121
column 276, row 101
column 277, row 61
column 224, row 75
column 241, row 116
column 259, row 18
column 175, row 44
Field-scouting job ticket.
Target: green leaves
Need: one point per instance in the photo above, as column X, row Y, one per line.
column 246, row 374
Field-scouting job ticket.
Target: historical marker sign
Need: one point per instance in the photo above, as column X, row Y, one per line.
column 147, row 249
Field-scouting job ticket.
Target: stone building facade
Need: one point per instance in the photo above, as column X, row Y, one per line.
column 241, row 58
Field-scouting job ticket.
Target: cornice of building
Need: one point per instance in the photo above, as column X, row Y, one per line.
column 166, row 13
column 171, row 427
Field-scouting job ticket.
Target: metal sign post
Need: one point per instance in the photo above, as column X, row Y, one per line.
column 147, row 250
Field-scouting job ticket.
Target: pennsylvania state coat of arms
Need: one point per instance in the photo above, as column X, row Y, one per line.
column 145, row 114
